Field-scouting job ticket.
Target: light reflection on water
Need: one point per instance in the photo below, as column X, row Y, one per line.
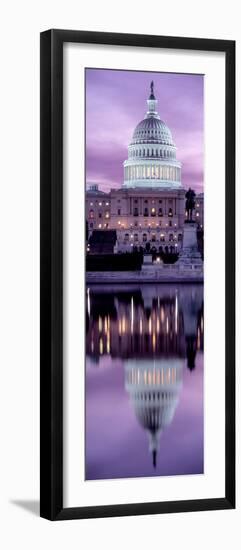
column 144, row 380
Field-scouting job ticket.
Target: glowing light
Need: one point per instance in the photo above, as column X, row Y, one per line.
column 132, row 314
column 101, row 347
column 154, row 341
column 167, row 325
column 123, row 326
column 88, row 301
column 157, row 325
column 162, row 315
column 176, row 313
column 141, row 326
column 108, row 343
column 100, row 203
column 100, row 324
column 150, row 325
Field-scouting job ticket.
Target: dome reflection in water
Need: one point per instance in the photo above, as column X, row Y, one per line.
column 144, row 380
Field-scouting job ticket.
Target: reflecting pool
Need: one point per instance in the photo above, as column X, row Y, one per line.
column 144, row 380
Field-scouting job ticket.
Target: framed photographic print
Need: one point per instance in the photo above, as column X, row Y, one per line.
column 137, row 274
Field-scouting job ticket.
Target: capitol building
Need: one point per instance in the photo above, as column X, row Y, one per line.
column 148, row 211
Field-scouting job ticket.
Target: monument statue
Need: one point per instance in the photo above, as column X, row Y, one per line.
column 190, row 203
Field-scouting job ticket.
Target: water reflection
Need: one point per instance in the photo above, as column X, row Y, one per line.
column 154, row 388
column 145, row 321
column 156, row 332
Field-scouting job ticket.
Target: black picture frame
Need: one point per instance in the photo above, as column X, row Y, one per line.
column 51, row 322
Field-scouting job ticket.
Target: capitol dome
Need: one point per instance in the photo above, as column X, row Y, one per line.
column 152, row 159
column 152, row 130
column 154, row 388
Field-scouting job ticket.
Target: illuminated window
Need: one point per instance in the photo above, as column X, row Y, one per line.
column 153, row 211
column 107, row 215
column 170, row 213
column 91, row 214
column 160, row 213
column 100, row 203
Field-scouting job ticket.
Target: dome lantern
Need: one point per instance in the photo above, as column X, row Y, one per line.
column 152, row 104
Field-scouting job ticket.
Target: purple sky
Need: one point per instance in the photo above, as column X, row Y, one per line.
column 116, row 102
